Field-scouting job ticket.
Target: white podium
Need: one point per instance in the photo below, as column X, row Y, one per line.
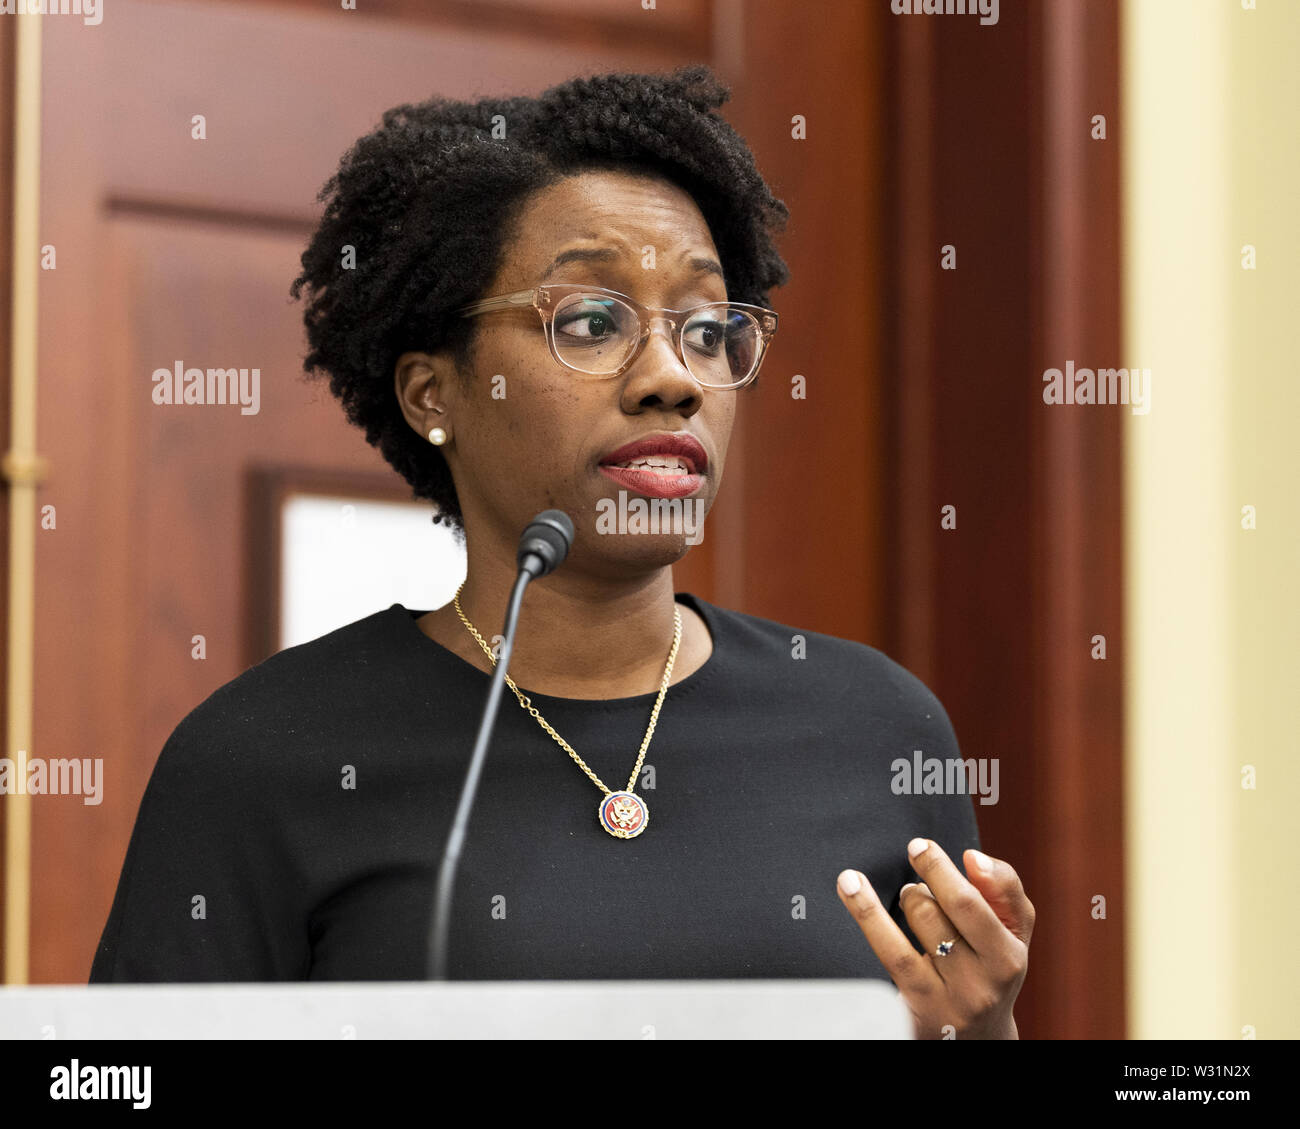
column 550, row 1009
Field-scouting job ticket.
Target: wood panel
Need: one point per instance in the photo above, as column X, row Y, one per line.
column 1078, row 480
column 585, row 24
column 285, row 92
column 989, row 140
column 809, row 532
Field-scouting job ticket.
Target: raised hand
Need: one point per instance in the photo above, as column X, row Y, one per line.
column 975, row 932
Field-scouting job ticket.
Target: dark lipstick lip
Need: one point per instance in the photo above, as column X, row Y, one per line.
column 680, row 444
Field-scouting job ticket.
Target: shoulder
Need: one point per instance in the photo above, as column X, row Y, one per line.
column 832, row 657
column 799, row 657
column 879, row 729
column 299, row 697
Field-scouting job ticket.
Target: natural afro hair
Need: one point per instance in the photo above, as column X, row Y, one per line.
column 429, row 201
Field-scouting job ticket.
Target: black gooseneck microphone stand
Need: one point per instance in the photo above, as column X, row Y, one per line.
column 542, row 549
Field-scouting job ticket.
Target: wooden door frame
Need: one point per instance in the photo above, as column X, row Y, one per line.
column 8, row 39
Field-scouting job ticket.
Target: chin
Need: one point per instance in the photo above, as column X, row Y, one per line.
column 617, row 555
column 654, row 526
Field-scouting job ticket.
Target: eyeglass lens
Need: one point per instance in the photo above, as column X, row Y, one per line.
column 595, row 333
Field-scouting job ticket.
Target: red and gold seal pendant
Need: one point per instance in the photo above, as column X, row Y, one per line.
column 623, row 814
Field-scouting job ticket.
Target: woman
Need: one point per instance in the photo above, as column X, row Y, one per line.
column 557, row 303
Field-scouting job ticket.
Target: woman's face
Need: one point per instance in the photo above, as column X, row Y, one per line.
column 528, row 434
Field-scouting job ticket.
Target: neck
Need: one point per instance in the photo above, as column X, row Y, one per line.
column 579, row 636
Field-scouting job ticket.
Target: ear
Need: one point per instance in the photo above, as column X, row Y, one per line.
column 425, row 382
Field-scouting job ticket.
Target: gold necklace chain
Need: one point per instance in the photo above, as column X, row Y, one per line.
column 528, row 705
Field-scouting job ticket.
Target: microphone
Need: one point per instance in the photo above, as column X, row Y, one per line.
column 542, row 549
column 545, row 543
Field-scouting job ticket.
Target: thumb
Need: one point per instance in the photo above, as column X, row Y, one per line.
column 998, row 881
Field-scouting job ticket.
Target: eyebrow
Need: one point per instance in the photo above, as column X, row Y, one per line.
column 697, row 263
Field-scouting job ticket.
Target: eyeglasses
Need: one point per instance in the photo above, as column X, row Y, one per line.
column 602, row 332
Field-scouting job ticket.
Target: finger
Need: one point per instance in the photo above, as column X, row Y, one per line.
column 960, row 900
column 998, row 881
column 909, row 970
column 939, row 938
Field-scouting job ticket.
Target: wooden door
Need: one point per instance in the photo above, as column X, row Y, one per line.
column 171, row 249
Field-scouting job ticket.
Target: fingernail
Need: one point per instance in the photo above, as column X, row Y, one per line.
column 917, row 847
column 905, row 889
column 850, row 883
column 982, row 861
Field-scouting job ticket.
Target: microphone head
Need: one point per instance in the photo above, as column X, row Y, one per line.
column 547, row 539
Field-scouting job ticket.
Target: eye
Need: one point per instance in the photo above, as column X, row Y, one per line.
column 591, row 319
column 705, row 334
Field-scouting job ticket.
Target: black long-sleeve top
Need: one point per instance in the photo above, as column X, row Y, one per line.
column 294, row 822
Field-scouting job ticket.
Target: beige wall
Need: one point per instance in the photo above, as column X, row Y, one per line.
column 1210, row 125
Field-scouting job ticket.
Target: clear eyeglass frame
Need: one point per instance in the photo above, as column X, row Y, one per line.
column 546, row 300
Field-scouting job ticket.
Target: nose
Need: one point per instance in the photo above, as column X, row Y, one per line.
column 659, row 376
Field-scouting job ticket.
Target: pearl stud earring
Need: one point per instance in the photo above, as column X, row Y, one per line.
column 437, row 436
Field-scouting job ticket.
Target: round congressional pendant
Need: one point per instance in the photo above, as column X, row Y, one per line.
column 623, row 814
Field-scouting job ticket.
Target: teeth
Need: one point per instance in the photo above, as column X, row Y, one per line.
column 656, row 462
